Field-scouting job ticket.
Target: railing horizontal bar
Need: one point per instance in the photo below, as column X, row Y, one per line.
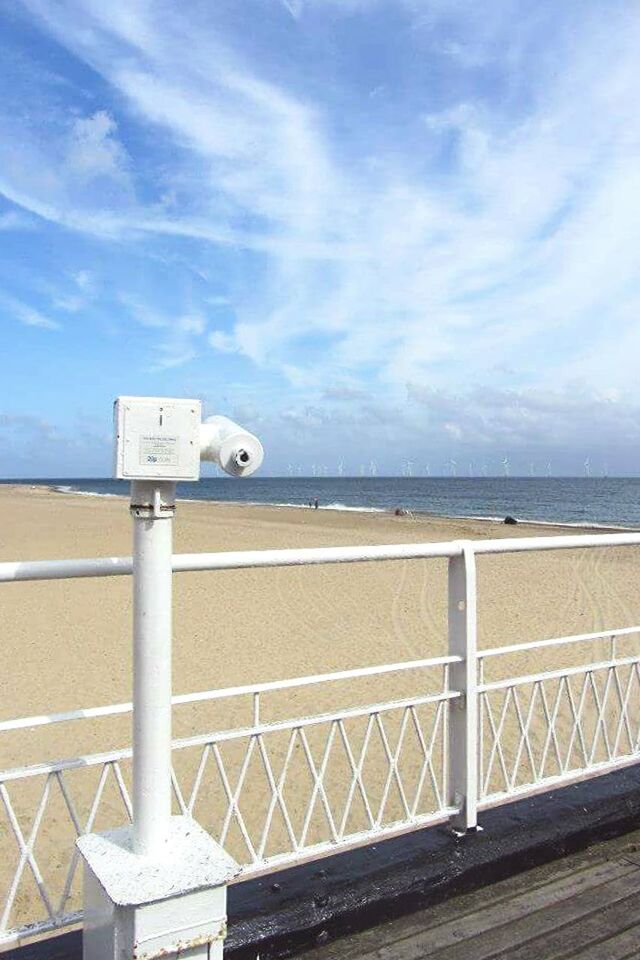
column 40, row 927
column 310, row 556
column 230, row 560
column 90, row 760
column 559, row 780
column 319, row 718
column 557, row 641
column 275, row 685
column 226, row 692
column 351, row 842
column 65, row 569
column 233, row 560
column 557, row 674
column 182, row 563
column 70, row 763
column 575, row 542
column 41, row 720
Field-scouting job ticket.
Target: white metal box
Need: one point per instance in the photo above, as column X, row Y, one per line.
column 157, row 438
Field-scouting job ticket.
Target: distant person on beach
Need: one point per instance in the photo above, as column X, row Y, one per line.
column 315, row 504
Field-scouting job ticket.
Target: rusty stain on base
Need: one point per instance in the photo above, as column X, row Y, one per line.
column 204, row 940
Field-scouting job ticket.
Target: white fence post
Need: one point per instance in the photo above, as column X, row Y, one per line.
column 463, row 712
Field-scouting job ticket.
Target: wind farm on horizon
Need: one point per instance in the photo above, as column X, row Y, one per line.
column 451, row 468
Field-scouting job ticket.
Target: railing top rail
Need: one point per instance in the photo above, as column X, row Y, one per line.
column 557, row 674
column 275, row 685
column 227, row 560
column 557, row 642
column 573, row 542
column 234, row 560
column 223, row 693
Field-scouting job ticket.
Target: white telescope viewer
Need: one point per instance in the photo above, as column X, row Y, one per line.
column 158, row 888
column 159, row 441
column 162, row 439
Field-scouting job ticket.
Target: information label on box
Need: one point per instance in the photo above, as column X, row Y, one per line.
column 160, row 450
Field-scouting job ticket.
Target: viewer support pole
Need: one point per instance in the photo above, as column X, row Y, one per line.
column 156, row 890
column 152, row 510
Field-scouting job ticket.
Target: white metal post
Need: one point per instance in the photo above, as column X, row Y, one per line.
column 157, row 888
column 152, row 509
column 463, row 713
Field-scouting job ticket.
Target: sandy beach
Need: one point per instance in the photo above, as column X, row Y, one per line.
column 67, row 644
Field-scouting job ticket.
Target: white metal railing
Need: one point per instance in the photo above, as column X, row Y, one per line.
column 290, row 783
column 563, row 723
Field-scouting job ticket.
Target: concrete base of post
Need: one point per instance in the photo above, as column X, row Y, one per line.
column 147, row 907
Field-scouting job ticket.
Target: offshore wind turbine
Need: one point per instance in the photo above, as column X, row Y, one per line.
column 373, row 468
column 340, row 469
column 452, row 466
column 506, row 465
column 587, row 467
column 427, row 470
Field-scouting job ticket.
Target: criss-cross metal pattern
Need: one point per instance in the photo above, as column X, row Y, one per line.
column 393, row 799
column 546, row 728
column 271, row 793
column 51, row 781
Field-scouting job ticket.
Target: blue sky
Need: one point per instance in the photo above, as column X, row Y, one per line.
column 369, row 229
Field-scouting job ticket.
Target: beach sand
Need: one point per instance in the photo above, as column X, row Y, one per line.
column 67, row 644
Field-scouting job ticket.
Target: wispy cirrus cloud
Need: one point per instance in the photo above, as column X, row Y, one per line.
column 15, row 220
column 26, row 314
column 459, row 206
column 175, row 338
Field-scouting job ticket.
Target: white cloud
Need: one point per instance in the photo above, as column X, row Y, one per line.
column 94, row 150
column 15, row 220
column 294, row 7
column 223, row 342
column 180, row 345
column 32, row 446
column 26, row 314
column 478, row 425
column 519, row 252
column 85, row 280
column 83, row 292
column 173, row 339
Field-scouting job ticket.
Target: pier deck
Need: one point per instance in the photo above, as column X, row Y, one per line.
column 585, row 906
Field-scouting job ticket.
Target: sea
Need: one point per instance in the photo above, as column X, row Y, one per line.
column 577, row 501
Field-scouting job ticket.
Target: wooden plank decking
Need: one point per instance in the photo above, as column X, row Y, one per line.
column 586, row 906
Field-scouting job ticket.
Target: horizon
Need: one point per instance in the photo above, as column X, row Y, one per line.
column 346, row 476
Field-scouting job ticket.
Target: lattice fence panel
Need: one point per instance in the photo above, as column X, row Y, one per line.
column 549, row 728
